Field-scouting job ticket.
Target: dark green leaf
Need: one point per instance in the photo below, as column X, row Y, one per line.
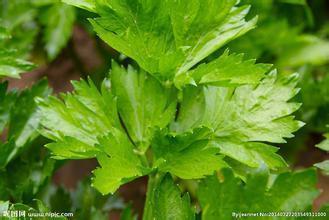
column 166, row 202
column 58, row 20
column 221, row 196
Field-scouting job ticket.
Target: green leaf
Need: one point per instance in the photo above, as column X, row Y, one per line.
column 307, row 50
column 72, row 148
column 179, row 35
column 143, row 103
column 20, row 114
column 24, row 176
column 58, row 21
column 17, row 32
column 77, row 122
column 119, row 164
column 138, row 117
column 324, row 166
column 11, row 65
column 220, row 71
column 23, row 170
column 24, row 14
column 85, row 4
column 6, row 152
column 4, row 205
column 7, row 100
column 253, row 154
column 165, row 201
column 185, row 158
column 24, row 118
column 240, row 117
column 324, row 145
column 18, row 18
column 221, row 196
column 4, row 33
column 252, row 113
column 315, row 108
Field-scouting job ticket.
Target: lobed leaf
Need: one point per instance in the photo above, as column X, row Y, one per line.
column 11, row 66
column 7, row 100
column 166, row 202
column 143, row 103
column 179, row 35
column 18, row 113
column 220, row 71
column 323, row 166
column 324, row 145
column 185, row 157
column 241, row 117
column 219, row 197
column 84, row 4
column 76, row 123
column 58, row 20
column 119, row 164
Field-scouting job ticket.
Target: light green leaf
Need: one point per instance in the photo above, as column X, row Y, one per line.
column 308, row 50
column 179, row 35
column 76, row 122
column 143, row 103
column 18, row 18
column 253, row 154
column 4, row 205
column 221, row 196
column 246, row 113
column 324, row 145
column 229, row 69
column 11, row 65
column 240, row 117
column 25, row 13
column 85, row 4
column 58, row 20
column 4, row 34
column 165, row 201
column 185, row 156
column 119, row 164
column 69, row 147
column 324, row 166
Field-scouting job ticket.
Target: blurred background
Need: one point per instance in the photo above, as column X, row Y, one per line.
column 291, row 34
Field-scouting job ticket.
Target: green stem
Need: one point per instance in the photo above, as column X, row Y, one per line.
column 151, row 187
column 144, row 160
